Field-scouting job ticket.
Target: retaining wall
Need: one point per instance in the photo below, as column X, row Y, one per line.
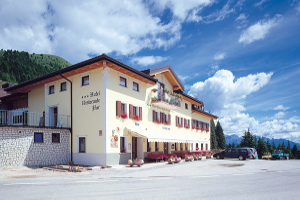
column 17, row 147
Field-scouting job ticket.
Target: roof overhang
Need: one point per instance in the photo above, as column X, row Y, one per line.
column 169, row 73
column 88, row 65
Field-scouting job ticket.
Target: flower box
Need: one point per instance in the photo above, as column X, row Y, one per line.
column 189, row 158
column 136, row 117
column 124, row 115
column 138, row 162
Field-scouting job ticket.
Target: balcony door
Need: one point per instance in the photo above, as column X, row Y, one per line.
column 160, row 90
column 53, row 116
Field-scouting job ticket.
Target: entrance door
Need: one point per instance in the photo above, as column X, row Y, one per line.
column 166, row 147
column 134, row 147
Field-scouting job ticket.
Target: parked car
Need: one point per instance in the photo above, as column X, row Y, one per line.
column 280, row 155
column 266, row 156
column 240, row 153
column 253, row 153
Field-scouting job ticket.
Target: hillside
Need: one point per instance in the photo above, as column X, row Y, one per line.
column 21, row 66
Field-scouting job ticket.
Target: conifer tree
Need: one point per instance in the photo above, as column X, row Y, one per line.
column 213, row 139
column 261, row 147
column 233, row 145
column 270, row 149
column 273, row 146
column 220, row 136
column 247, row 140
column 288, row 150
column 283, row 146
column 295, row 150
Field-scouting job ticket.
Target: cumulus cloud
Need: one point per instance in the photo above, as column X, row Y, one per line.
column 224, row 95
column 281, row 107
column 220, row 56
column 258, row 31
column 148, row 60
column 279, row 115
column 76, row 30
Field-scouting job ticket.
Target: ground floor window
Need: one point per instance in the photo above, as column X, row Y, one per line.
column 82, row 146
column 186, row 146
column 122, row 145
column 197, row 148
column 148, row 146
column 206, row 146
column 38, row 138
column 156, row 146
column 55, row 138
column 201, row 146
column 181, row 146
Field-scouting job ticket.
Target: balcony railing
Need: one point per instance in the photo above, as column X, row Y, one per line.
column 24, row 118
column 168, row 100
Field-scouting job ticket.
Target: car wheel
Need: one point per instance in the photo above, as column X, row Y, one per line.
column 218, row 156
column 241, row 157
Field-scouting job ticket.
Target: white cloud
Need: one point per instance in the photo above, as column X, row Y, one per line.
column 74, row 30
column 242, row 17
column 219, row 15
column 258, row 4
column 183, row 78
column 148, row 60
column 281, row 107
column 279, row 115
column 220, row 56
column 258, row 31
column 224, row 96
column 298, row 7
column 181, row 9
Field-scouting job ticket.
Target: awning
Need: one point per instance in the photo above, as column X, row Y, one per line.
column 159, row 136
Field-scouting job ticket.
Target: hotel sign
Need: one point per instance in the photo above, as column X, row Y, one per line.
column 92, row 99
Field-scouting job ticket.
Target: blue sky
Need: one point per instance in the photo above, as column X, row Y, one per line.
column 241, row 57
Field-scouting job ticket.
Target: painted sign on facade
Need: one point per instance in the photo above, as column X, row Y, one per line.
column 92, row 100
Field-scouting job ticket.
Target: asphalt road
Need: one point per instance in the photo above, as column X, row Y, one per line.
column 206, row 179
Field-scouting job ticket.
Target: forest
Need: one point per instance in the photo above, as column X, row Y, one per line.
column 17, row 67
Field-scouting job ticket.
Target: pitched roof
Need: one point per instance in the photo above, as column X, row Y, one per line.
column 164, row 68
column 80, row 65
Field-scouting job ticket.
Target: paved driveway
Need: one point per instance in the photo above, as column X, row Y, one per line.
column 206, row 179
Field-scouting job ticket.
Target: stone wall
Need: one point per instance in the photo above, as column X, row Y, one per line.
column 17, row 147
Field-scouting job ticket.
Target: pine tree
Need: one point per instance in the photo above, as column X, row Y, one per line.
column 213, row 139
column 261, row 147
column 270, row 149
column 220, row 136
column 233, row 145
column 254, row 143
column 288, row 150
column 247, row 140
column 295, row 150
column 283, row 146
column 273, row 146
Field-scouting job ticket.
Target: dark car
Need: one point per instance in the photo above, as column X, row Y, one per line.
column 240, row 153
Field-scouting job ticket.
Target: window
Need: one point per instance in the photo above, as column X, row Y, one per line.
column 201, row 146
column 197, row 148
column 63, row 86
column 81, row 144
column 123, row 81
column 38, row 138
column 121, row 109
column 186, row 146
column 135, row 86
column 55, row 138
column 176, row 147
column 85, row 80
column 51, row 89
column 148, row 146
column 181, row 146
column 156, row 146
column 122, row 145
column 186, row 106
